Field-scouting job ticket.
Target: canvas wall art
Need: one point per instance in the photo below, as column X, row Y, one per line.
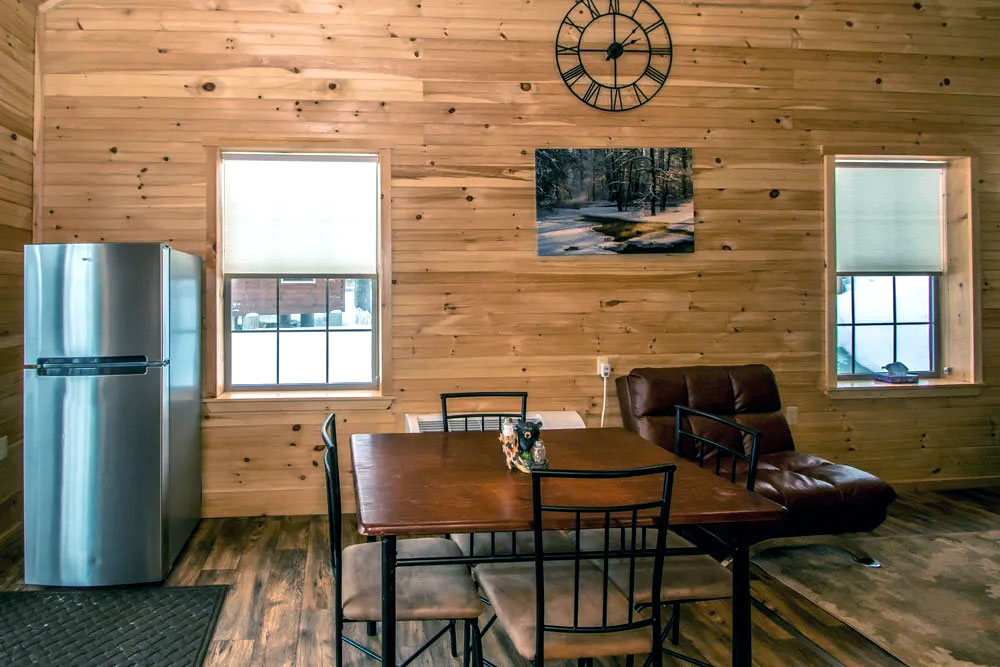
column 605, row 201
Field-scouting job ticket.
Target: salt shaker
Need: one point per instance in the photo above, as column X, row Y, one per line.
column 538, row 453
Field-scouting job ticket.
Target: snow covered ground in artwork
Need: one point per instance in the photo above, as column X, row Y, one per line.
column 565, row 231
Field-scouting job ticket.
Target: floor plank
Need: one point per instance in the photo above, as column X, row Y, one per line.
column 279, row 607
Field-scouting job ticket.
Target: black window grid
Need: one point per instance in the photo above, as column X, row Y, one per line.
column 932, row 324
column 327, row 331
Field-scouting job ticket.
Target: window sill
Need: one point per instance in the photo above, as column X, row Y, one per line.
column 356, row 399
column 925, row 388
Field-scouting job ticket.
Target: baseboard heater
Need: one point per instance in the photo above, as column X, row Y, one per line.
column 551, row 420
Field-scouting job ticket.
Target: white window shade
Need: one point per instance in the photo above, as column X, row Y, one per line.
column 889, row 218
column 299, row 214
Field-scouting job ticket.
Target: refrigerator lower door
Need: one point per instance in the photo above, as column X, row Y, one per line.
column 92, row 477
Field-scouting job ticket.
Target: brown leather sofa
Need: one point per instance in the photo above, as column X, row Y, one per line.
column 822, row 497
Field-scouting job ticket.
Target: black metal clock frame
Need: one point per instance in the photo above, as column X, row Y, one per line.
column 575, row 71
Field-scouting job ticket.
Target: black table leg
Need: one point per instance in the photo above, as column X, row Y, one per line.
column 389, row 601
column 741, row 600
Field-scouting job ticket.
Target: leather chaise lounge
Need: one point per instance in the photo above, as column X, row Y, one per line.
column 823, row 498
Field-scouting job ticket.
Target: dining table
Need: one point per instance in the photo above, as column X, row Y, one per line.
column 419, row 484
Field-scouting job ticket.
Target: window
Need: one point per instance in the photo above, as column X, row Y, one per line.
column 902, row 275
column 300, row 249
column 890, row 222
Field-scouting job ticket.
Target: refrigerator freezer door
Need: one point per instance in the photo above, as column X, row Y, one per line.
column 92, row 478
column 95, row 300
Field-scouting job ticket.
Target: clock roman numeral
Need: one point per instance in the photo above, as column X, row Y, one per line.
column 616, row 99
column 614, row 6
column 568, row 21
column 591, row 5
column 593, row 91
column 661, row 50
column 573, row 50
column 639, row 94
column 651, row 28
column 655, row 74
column 571, row 76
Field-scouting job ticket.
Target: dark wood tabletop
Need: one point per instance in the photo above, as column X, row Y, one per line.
column 432, row 483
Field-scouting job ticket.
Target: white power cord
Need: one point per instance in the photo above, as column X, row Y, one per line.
column 604, row 400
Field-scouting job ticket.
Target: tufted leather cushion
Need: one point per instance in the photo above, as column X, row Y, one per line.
column 822, row 496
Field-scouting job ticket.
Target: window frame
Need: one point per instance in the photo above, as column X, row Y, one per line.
column 959, row 317
column 216, row 378
column 319, row 386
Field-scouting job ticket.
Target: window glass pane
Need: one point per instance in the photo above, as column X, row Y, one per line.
column 873, row 348
column 845, row 314
column 351, row 303
column 889, row 219
column 845, row 351
column 873, row 299
column 913, row 346
column 254, row 304
column 254, row 357
column 913, row 299
column 302, row 303
column 351, row 356
column 302, row 357
column 299, row 214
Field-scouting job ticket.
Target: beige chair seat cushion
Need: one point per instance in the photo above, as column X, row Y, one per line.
column 552, row 542
column 592, row 539
column 685, row 578
column 510, row 588
column 432, row 592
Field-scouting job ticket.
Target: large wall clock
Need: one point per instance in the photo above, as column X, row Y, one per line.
column 615, row 55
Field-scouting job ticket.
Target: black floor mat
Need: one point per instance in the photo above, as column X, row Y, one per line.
column 147, row 626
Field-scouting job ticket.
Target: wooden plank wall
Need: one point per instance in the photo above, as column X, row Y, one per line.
column 462, row 92
column 17, row 66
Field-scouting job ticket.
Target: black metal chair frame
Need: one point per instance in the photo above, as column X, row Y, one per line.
column 481, row 416
column 333, row 507
column 609, row 514
column 673, row 625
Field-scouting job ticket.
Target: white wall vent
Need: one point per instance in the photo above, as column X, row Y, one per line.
column 551, row 420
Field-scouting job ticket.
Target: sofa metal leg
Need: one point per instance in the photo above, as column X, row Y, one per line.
column 837, row 541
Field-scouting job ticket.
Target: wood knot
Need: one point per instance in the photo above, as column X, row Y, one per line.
column 208, row 86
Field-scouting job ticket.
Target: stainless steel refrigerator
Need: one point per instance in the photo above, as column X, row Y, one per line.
column 112, row 411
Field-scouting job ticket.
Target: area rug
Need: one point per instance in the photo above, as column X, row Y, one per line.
column 148, row 626
column 934, row 601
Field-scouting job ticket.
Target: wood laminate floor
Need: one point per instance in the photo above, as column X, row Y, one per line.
column 278, row 611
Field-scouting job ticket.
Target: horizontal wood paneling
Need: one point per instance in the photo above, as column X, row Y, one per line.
column 17, row 66
column 462, row 93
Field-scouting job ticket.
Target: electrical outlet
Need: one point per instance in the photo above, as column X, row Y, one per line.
column 3, row 448
column 603, row 367
column 792, row 414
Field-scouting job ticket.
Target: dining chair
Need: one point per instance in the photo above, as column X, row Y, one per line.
column 428, row 593
column 503, row 543
column 732, row 450
column 563, row 606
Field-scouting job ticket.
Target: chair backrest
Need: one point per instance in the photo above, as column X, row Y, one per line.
column 694, row 433
column 480, row 420
column 745, row 394
column 628, row 511
column 333, row 504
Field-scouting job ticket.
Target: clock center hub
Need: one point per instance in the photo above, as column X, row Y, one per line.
column 615, row 51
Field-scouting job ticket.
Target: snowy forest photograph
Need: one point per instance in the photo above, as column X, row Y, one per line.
column 601, row 201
